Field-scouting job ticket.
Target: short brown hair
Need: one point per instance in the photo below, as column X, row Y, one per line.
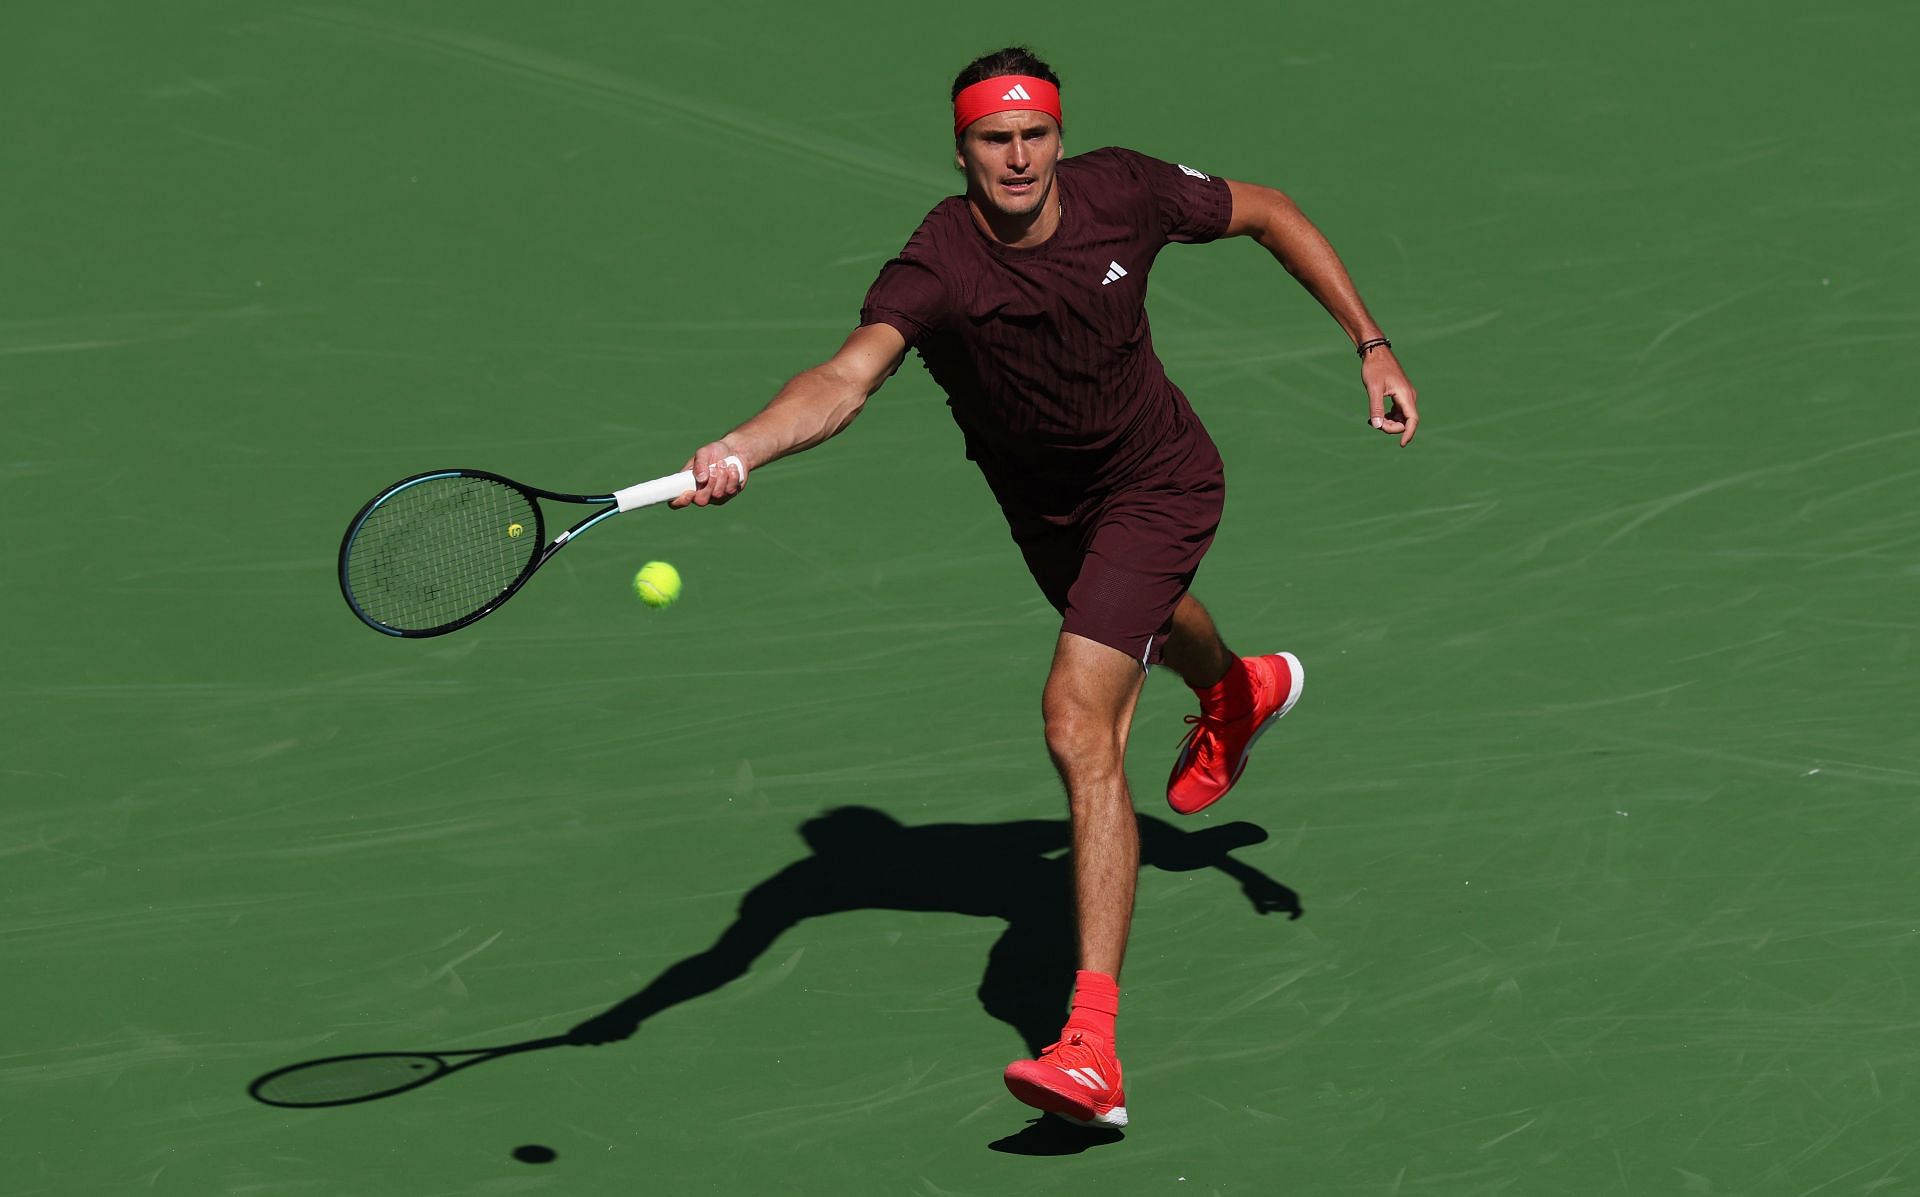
column 1014, row 60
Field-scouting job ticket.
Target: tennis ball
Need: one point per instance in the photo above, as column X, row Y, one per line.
column 657, row 584
column 514, row 530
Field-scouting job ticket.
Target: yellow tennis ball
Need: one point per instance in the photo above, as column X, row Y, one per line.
column 514, row 530
column 657, row 584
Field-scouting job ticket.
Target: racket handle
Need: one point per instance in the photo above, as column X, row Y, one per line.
column 659, row 490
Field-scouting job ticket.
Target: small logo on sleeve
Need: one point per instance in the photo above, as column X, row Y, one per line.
column 1196, row 174
column 1115, row 272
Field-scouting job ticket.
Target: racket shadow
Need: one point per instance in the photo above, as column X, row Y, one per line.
column 368, row 1076
column 861, row 859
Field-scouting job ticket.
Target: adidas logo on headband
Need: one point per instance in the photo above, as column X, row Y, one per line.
column 1004, row 93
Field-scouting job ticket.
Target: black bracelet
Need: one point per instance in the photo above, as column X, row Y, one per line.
column 1366, row 346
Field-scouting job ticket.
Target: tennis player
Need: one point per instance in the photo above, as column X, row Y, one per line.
column 1025, row 297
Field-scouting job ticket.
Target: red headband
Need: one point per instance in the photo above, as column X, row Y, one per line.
column 1005, row 93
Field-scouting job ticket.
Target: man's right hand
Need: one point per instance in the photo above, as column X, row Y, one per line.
column 715, row 479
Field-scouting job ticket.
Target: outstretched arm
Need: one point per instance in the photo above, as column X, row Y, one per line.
column 814, row 406
column 1277, row 223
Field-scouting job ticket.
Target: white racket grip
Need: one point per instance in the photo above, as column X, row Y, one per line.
column 659, row 490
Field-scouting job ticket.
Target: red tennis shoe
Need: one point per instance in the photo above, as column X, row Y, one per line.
column 1214, row 754
column 1077, row 1078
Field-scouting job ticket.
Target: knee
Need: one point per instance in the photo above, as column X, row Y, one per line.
column 1080, row 739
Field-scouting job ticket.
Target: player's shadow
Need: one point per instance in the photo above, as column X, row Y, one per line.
column 864, row 859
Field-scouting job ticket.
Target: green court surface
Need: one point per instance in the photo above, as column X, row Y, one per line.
column 1600, row 806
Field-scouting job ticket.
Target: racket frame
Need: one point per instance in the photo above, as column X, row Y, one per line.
column 641, row 494
column 533, row 495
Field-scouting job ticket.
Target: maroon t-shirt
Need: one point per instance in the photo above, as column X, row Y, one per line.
column 1044, row 352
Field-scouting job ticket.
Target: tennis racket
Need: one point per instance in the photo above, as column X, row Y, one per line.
column 432, row 553
column 343, row 1080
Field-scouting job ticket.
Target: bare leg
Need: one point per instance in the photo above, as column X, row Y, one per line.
column 1088, row 705
column 1194, row 650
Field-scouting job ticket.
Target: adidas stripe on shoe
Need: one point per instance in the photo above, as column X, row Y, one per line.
column 1077, row 1078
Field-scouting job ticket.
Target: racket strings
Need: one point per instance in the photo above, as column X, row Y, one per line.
column 440, row 550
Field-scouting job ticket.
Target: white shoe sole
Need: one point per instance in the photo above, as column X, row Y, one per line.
column 1115, row 1118
column 1297, row 673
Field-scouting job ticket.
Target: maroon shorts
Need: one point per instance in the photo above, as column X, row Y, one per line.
column 1116, row 567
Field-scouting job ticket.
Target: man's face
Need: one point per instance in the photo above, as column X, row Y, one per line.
column 1009, row 159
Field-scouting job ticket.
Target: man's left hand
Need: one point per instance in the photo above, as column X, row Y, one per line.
column 1390, row 397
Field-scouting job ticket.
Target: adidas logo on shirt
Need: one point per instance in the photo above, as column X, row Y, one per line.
column 1115, row 272
column 1019, row 92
